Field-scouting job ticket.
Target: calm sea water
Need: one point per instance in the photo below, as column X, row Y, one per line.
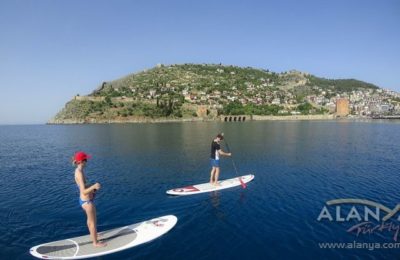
column 298, row 167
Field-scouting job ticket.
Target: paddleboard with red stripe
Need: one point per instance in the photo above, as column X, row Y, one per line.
column 207, row 187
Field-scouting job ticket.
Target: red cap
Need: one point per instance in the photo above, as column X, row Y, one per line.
column 80, row 156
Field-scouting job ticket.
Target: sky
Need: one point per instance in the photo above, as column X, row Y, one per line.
column 51, row 50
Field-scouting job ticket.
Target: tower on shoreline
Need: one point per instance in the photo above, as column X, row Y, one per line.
column 342, row 107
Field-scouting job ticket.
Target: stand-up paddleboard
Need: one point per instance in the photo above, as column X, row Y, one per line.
column 207, row 187
column 117, row 239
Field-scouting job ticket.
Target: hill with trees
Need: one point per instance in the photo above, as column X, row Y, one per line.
column 178, row 91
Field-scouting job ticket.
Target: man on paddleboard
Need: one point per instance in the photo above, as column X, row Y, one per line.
column 216, row 152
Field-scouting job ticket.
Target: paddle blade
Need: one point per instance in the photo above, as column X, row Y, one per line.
column 242, row 183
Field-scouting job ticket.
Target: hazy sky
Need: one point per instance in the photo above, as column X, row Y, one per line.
column 52, row 50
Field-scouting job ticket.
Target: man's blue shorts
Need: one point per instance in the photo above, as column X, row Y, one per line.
column 214, row 163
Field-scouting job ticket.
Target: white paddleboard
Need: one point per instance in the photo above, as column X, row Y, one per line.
column 117, row 239
column 207, row 187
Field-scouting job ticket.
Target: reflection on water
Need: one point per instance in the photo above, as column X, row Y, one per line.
column 215, row 202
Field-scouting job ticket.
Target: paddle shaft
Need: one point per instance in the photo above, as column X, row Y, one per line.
column 234, row 165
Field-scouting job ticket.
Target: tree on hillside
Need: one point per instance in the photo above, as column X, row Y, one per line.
column 305, row 108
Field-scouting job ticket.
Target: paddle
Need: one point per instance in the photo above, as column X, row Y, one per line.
column 234, row 165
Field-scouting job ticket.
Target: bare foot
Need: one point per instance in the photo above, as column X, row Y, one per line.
column 216, row 184
column 99, row 244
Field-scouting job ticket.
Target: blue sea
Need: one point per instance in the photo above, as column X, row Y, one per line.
column 298, row 165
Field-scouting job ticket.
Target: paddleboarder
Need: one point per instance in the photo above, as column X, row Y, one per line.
column 216, row 152
column 86, row 196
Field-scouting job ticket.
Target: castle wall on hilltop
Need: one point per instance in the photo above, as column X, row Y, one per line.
column 89, row 98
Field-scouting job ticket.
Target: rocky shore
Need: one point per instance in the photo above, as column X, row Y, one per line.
column 122, row 121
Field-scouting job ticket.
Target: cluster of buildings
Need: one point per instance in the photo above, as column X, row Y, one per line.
column 368, row 102
column 362, row 102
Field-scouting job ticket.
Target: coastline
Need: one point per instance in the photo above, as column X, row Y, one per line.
column 193, row 119
column 294, row 117
column 122, row 121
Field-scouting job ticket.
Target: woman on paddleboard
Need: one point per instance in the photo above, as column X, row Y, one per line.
column 86, row 196
column 216, row 152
